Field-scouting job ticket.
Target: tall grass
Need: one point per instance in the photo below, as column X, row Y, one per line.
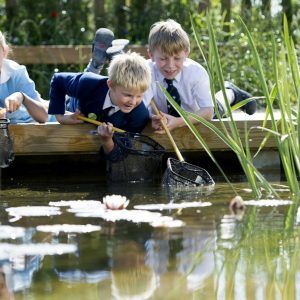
column 285, row 130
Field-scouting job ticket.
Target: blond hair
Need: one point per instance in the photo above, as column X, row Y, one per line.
column 130, row 70
column 3, row 43
column 169, row 37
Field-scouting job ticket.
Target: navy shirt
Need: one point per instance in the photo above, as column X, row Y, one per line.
column 90, row 90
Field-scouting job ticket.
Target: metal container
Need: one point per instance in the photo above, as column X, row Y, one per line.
column 6, row 145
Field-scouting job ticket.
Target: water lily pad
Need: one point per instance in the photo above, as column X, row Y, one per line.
column 33, row 211
column 172, row 205
column 267, row 202
column 74, row 228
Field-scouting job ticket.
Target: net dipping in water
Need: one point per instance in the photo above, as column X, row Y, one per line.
column 181, row 173
column 141, row 159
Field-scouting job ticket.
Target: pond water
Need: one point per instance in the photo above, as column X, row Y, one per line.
column 200, row 252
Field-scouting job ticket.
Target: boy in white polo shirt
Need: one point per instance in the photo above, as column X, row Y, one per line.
column 186, row 80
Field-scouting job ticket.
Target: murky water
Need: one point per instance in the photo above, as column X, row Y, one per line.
column 210, row 254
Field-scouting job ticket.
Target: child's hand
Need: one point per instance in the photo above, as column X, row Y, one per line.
column 156, row 122
column 2, row 113
column 170, row 121
column 105, row 131
column 13, row 102
column 69, row 118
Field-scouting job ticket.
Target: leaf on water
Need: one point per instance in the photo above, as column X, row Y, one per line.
column 267, row 202
column 10, row 250
column 33, row 211
column 11, row 232
column 74, row 228
column 172, row 205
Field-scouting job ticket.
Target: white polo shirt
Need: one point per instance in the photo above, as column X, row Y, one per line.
column 192, row 84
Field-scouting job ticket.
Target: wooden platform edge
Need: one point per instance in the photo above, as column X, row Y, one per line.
column 56, row 139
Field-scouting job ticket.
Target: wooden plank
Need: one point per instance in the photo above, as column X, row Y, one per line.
column 59, row 54
column 53, row 138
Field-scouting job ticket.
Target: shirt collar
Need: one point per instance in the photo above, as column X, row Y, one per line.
column 108, row 103
column 5, row 74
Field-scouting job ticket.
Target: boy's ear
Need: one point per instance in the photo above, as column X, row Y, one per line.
column 109, row 84
column 150, row 54
column 5, row 50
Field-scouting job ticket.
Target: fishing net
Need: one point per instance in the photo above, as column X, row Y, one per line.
column 6, row 145
column 140, row 160
column 180, row 173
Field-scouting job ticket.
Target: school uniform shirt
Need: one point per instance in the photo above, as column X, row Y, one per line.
column 15, row 78
column 192, row 84
column 92, row 96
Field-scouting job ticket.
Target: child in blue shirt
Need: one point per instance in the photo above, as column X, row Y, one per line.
column 19, row 101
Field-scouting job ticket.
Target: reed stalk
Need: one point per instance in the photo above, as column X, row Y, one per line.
column 285, row 130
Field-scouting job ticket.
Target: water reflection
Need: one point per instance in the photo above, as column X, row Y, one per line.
column 215, row 253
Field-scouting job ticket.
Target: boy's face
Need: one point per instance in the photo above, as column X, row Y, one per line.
column 125, row 99
column 168, row 65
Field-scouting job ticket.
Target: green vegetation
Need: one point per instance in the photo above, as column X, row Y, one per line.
column 73, row 22
column 286, row 69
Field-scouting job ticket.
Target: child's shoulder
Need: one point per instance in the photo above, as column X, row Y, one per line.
column 11, row 65
column 192, row 63
column 191, row 66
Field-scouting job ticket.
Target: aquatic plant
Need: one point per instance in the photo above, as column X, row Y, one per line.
column 286, row 130
column 115, row 202
column 286, row 135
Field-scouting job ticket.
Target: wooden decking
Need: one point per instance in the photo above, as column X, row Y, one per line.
column 56, row 139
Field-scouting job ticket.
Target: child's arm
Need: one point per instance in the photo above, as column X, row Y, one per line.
column 35, row 108
column 69, row 118
column 175, row 122
column 63, row 84
column 105, row 131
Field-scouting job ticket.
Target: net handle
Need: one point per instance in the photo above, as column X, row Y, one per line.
column 167, row 131
column 97, row 123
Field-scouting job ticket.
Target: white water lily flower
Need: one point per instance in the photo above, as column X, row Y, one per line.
column 115, row 202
